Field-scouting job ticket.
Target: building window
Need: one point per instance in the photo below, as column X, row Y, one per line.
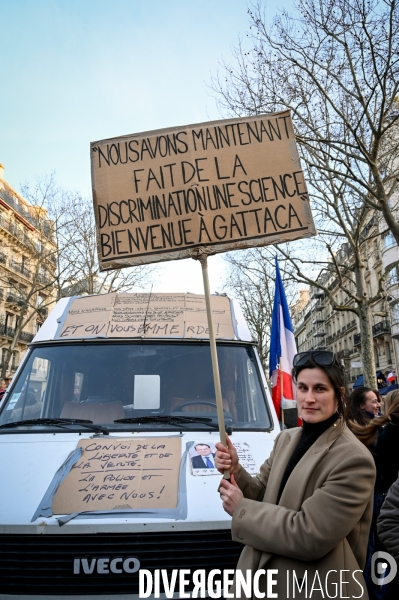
column 15, row 360
column 8, row 320
column 4, row 355
column 393, row 276
column 395, row 313
column 389, row 240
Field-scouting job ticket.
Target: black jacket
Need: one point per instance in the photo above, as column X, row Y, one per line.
column 386, row 456
column 198, row 463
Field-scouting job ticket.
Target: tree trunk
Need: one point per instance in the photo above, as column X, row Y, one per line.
column 366, row 332
column 14, row 342
column 6, row 362
column 366, row 326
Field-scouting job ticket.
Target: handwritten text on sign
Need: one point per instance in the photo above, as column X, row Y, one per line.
column 225, row 184
column 146, row 315
column 122, row 473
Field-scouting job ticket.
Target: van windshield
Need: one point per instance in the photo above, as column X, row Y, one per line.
column 106, row 382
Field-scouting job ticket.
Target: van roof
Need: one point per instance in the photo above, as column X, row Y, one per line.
column 143, row 315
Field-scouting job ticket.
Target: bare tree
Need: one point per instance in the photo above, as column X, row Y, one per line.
column 251, row 279
column 32, row 255
column 59, row 257
column 335, row 65
column 337, row 260
column 80, row 259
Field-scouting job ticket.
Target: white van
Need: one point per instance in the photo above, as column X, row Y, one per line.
column 95, row 387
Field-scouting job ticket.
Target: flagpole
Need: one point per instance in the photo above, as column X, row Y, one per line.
column 281, row 391
column 215, row 365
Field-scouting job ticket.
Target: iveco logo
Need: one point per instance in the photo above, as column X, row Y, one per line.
column 105, row 566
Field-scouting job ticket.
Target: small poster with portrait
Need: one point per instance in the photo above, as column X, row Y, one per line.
column 202, row 458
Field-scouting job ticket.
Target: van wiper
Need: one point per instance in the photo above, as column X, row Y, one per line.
column 173, row 419
column 58, row 421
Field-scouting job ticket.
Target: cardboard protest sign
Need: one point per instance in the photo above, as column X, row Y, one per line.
column 146, row 315
column 225, row 185
column 122, row 473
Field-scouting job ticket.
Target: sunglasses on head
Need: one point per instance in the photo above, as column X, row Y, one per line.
column 323, row 358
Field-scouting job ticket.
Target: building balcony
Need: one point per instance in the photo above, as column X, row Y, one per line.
column 20, row 268
column 13, row 298
column 316, row 293
column 43, row 225
column 320, row 334
column 319, row 307
column 14, row 230
column 44, row 280
column 381, row 328
column 9, row 332
column 317, row 321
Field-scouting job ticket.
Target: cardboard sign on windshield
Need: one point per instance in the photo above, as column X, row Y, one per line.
column 122, row 473
column 223, row 185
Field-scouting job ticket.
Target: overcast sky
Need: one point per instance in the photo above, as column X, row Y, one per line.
column 76, row 71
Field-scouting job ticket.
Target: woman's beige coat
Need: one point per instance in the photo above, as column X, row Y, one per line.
column 318, row 531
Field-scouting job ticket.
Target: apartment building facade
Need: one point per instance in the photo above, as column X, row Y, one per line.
column 318, row 326
column 27, row 267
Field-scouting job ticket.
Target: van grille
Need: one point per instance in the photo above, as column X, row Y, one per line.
column 43, row 564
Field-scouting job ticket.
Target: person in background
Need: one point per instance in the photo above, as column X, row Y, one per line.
column 388, row 533
column 363, row 405
column 3, row 387
column 389, row 399
column 381, row 436
column 309, row 509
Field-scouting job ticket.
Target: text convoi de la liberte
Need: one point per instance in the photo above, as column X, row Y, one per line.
column 166, row 211
column 230, row 583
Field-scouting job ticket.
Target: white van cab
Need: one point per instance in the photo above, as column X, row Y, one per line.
column 87, row 386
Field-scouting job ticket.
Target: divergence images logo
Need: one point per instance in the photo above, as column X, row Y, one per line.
column 379, row 573
column 106, row 565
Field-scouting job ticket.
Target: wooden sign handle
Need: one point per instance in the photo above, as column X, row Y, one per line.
column 203, row 258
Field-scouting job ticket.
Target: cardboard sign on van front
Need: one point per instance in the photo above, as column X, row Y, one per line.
column 223, row 185
column 122, row 473
column 146, row 315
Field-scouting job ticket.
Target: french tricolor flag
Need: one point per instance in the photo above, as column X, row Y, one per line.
column 282, row 350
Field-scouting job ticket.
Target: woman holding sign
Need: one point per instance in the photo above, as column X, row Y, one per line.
column 307, row 513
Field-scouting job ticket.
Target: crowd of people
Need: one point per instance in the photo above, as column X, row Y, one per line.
column 327, row 498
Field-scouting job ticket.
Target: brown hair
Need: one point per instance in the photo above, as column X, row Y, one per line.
column 335, row 374
column 368, row 433
column 358, row 397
